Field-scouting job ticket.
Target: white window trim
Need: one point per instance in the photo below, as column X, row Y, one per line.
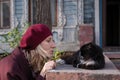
column 97, row 26
column 80, row 12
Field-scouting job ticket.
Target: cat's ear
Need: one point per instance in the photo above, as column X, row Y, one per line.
column 89, row 46
column 90, row 43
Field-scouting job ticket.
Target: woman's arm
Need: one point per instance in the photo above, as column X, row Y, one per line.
column 48, row 66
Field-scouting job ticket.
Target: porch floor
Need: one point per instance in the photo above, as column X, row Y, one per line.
column 116, row 62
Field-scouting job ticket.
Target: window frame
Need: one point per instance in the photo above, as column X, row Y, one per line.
column 2, row 16
column 13, row 21
column 30, row 11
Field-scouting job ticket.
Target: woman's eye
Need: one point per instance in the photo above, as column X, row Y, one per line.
column 53, row 40
column 48, row 40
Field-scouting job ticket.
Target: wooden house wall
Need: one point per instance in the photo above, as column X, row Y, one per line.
column 71, row 13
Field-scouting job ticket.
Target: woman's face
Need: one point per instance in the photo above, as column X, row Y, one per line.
column 48, row 45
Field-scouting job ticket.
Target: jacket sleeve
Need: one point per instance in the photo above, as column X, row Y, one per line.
column 11, row 77
column 40, row 78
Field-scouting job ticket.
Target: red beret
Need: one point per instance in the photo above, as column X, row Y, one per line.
column 34, row 35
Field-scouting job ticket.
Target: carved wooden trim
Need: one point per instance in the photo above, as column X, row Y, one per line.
column 61, row 17
column 80, row 12
column 61, row 21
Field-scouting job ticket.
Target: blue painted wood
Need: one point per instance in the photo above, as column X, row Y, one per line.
column 55, row 37
column 100, row 8
column 18, row 9
column 69, row 34
column 70, row 11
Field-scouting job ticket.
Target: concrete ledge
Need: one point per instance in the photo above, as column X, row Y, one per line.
column 67, row 72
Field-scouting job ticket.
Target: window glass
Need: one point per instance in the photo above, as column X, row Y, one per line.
column 5, row 14
column 89, row 11
column 53, row 8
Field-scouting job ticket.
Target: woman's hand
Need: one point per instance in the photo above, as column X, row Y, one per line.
column 48, row 66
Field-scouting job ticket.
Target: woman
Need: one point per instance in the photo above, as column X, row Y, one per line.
column 32, row 59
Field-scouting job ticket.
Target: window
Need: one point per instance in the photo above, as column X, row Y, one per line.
column 89, row 11
column 53, row 7
column 4, row 14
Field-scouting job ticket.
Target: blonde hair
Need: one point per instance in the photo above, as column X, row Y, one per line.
column 37, row 58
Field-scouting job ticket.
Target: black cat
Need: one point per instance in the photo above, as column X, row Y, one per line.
column 90, row 56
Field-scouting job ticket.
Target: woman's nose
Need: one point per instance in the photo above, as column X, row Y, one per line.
column 53, row 44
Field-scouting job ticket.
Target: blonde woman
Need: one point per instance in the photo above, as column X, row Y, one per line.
column 32, row 58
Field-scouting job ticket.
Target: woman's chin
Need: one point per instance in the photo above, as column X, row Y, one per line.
column 50, row 56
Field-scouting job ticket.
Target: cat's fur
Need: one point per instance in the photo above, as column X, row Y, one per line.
column 90, row 56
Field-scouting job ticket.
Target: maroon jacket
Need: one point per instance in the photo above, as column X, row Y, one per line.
column 16, row 67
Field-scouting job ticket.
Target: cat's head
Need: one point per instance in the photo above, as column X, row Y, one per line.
column 87, row 51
